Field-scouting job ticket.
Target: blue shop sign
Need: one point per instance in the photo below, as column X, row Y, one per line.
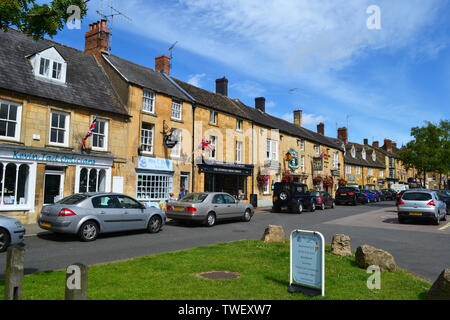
column 147, row 163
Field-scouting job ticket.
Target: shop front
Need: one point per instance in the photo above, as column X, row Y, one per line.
column 227, row 177
column 33, row 177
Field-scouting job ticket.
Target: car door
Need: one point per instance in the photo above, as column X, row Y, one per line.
column 328, row 200
column 108, row 210
column 219, row 206
column 134, row 217
column 232, row 208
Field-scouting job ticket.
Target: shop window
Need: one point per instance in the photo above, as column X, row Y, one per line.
column 14, row 184
column 92, row 180
column 154, row 187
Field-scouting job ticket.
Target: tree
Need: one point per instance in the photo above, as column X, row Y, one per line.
column 426, row 152
column 36, row 19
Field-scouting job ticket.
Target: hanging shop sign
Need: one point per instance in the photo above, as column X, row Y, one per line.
column 318, row 164
column 293, row 160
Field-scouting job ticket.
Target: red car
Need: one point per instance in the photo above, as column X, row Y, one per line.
column 323, row 200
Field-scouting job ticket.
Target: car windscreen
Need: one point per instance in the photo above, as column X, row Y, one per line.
column 195, row 198
column 417, row 196
column 74, row 199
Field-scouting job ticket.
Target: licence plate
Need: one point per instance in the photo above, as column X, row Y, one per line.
column 178, row 208
column 415, row 214
column 343, row 194
column 46, row 224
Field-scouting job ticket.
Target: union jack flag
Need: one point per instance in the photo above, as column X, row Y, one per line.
column 206, row 145
column 90, row 132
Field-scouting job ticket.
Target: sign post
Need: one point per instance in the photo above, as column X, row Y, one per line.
column 307, row 263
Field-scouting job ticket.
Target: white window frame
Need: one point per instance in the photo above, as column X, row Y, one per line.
column 348, row 169
column 66, row 129
column 317, row 149
column 18, row 120
column 302, row 145
column 105, row 135
column 239, row 125
column 176, row 151
column 177, row 110
column 272, row 150
column 353, row 153
column 213, row 142
column 239, row 149
column 213, row 117
column 148, row 101
column 370, row 172
column 154, row 187
column 108, row 174
column 374, row 156
column 335, row 160
column 53, row 58
column 302, row 164
column 358, row 171
column 364, row 155
column 152, row 140
column 381, row 174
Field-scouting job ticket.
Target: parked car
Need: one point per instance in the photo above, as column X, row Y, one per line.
column 370, row 195
column 380, row 195
column 323, row 200
column 90, row 214
column 208, row 208
column 12, row 232
column 424, row 205
column 350, row 195
column 445, row 196
column 294, row 196
column 399, row 197
column 389, row 194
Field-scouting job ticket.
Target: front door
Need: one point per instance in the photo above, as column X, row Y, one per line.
column 53, row 186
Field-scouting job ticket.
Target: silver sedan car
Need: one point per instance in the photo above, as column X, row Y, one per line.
column 89, row 214
column 207, row 208
column 423, row 205
column 12, row 232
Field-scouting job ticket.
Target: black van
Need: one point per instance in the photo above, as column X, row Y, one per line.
column 294, row 196
column 345, row 195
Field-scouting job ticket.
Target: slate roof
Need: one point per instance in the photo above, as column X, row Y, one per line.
column 359, row 161
column 86, row 84
column 146, row 77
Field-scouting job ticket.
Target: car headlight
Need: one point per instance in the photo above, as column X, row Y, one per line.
column 18, row 224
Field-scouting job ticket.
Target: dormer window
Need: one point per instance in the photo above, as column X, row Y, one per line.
column 49, row 65
column 374, row 156
column 353, row 152
column 364, row 155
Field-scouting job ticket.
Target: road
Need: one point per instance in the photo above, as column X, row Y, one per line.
column 421, row 248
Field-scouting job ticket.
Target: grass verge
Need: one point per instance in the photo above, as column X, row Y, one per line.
column 264, row 272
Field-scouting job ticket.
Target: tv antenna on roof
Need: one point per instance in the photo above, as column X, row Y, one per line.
column 114, row 12
column 171, row 54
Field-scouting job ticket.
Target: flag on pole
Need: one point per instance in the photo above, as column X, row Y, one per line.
column 90, row 132
column 206, row 145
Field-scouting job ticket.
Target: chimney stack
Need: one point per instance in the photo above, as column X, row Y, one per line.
column 366, row 142
column 343, row 134
column 394, row 145
column 298, row 118
column 222, row 86
column 376, row 144
column 162, row 63
column 321, row 128
column 260, row 104
column 97, row 39
column 387, row 145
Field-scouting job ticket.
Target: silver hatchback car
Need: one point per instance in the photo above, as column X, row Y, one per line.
column 421, row 204
column 89, row 214
column 207, row 208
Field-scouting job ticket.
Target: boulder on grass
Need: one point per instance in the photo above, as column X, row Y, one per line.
column 273, row 234
column 367, row 256
column 441, row 288
column 341, row 245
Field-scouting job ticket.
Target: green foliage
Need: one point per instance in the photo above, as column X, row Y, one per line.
column 36, row 19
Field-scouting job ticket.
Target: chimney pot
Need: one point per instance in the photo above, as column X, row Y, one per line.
column 343, row 134
column 222, row 86
column 298, row 118
column 321, row 128
column 260, row 104
column 97, row 40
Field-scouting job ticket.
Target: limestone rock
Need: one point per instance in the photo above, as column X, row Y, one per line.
column 441, row 288
column 367, row 256
column 273, row 234
column 341, row 245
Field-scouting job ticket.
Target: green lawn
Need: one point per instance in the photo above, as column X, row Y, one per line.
column 264, row 272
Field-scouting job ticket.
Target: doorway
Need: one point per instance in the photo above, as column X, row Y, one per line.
column 53, row 186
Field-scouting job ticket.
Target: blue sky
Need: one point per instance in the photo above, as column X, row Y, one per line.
column 386, row 80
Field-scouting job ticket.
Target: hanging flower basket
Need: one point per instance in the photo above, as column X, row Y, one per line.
column 342, row 182
column 318, row 181
column 263, row 179
column 328, row 181
column 287, row 176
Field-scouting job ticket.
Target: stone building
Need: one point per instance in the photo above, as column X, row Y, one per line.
column 49, row 96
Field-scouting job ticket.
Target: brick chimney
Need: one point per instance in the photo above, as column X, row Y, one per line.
column 298, row 118
column 162, row 63
column 376, row 144
column 366, row 142
column 222, row 86
column 343, row 134
column 260, row 104
column 321, row 128
column 387, row 145
column 97, row 39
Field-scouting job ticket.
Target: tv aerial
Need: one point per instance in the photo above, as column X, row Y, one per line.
column 171, row 53
column 110, row 18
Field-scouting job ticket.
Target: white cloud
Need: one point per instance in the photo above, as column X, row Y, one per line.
column 195, row 79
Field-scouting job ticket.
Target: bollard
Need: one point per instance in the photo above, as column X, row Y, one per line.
column 14, row 273
column 76, row 282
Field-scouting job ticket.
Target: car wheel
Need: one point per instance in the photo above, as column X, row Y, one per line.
column 300, row 208
column 322, row 207
column 333, row 205
column 437, row 221
column 154, row 225
column 88, row 231
column 4, row 240
column 247, row 216
column 211, row 220
column 313, row 207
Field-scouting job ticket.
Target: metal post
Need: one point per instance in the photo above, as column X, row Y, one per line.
column 76, row 282
column 14, row 273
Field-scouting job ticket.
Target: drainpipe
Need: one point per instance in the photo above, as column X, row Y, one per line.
column 193, row 147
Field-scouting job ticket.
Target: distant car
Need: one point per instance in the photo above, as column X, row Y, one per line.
column 350, row 195
column 399, row 196
column 11, row 232
column 445, row 197
column 294, row 196
column 380, row 195
column 89, row 214
column 424, row 205
column 389, row 194
column 208, row 208
column 370, row 195
column 323, row 200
